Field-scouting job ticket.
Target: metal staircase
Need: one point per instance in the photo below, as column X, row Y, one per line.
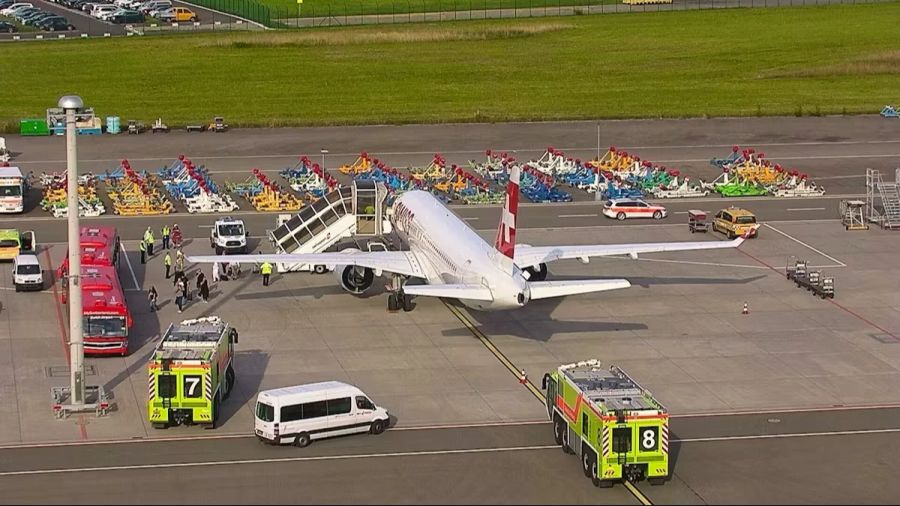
column 354, row 211
column 887, row 194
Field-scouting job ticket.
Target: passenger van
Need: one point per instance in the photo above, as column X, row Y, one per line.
column 299, row 414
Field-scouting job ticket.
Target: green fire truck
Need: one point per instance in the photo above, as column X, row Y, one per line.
column 616, row 427
column 191, row 373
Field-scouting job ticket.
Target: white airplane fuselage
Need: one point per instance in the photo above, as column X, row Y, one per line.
column 451, row 252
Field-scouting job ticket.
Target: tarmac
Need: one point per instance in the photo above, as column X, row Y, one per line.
column 765, row 397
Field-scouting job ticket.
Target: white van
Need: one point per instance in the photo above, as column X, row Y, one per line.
column 316, row 411
column 27, row 272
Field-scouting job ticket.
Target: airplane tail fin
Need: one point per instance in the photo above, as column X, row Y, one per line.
column 506, row 231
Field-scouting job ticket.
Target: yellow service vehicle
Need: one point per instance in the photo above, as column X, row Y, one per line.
column 191, row 373
column 735, row 222
column 12, row 242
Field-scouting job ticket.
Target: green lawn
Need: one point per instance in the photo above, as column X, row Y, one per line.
column 338, row 8
column 811, row 60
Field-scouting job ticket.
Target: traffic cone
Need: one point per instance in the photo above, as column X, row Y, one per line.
column 746, row 309
column 523, row 378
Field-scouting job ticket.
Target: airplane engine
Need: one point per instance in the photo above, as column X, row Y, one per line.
column 538, row 273
column 355, row 280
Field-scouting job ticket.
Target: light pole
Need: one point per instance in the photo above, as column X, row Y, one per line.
column 71, row 104
column 324, row 152
column 598, row 142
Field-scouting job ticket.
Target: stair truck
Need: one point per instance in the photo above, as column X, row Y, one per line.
column 191, row 373
column 616, row 427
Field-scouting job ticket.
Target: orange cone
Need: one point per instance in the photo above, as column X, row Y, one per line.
column 746, row 309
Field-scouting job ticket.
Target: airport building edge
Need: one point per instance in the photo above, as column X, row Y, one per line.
column 191, row 373
column 615, row 426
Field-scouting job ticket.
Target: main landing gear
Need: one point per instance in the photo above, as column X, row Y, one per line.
column 397, row 299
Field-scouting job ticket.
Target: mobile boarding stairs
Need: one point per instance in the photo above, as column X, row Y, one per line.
column 348, row 212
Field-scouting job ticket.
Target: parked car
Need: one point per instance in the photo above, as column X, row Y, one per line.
column 178, row 15
column 22, row 12
column 7, row 27
column 100, row 10
column 6, row 3
column 154, row 5
column 126, row 16
column 59, row 24
column 9, row 10
column 37, row 18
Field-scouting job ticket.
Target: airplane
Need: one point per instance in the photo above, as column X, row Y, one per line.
column 456, row 263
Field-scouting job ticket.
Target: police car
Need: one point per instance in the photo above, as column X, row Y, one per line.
column 633, row 208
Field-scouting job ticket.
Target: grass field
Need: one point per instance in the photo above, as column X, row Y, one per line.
column 813, row 60
column 318, row 8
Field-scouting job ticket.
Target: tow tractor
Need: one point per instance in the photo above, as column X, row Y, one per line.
column 798, row 272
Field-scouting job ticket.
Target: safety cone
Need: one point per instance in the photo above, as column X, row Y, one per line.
column 523, row 378
column 746, row 309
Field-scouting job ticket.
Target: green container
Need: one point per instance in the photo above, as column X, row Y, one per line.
column 33, row 127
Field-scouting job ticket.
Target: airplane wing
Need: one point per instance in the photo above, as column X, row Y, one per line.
column 549, row 289
column 467, row 292
column 397, row 262
column 531, row 256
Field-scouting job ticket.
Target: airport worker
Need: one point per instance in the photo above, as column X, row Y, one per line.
column 266, row 270
column 143, row 248
column 200, row 278
column 148, row 236
column 167, row 261
column 179, row 260
column 166, row 233
column 215, row 272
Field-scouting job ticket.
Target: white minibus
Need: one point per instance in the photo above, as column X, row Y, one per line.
column 302, row 413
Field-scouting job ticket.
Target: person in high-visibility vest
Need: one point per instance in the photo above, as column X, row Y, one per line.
column 143, row 248
column 167, row 261
column 266, row 270
column 166, row 233
column 148, row 238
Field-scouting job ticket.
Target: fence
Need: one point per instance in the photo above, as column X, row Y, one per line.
column 350, row 12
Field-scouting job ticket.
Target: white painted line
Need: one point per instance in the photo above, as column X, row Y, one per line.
column 204, row 226
column 785, row 436
column 245, row 435
column 137, row 286
column 277, row 460
column 473, row 218
column 793, row 209
column 13, row 288
column 798, row 241
column 774, row 411
column 577, row 215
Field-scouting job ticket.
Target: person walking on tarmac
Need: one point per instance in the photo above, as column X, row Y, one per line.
column 143, row 248
column 204, row 290
column 266, row 270
column 179, row 296
column 167, row 261
column 152, row 296
column 148, row 237
column 179, row 260
column 166, row 233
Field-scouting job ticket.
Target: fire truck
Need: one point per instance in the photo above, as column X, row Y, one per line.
column 616, row 427
column 106, row 318
column 191, row 373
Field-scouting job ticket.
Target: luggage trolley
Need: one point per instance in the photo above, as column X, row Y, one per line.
column 697, row 221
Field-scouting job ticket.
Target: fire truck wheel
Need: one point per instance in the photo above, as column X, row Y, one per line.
column 302, row 440
column 160, row 426
column 565, row 443
column 214, row 414
column 586, row 462
column 558, row 428
column 603, row 483
column 229, row 381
